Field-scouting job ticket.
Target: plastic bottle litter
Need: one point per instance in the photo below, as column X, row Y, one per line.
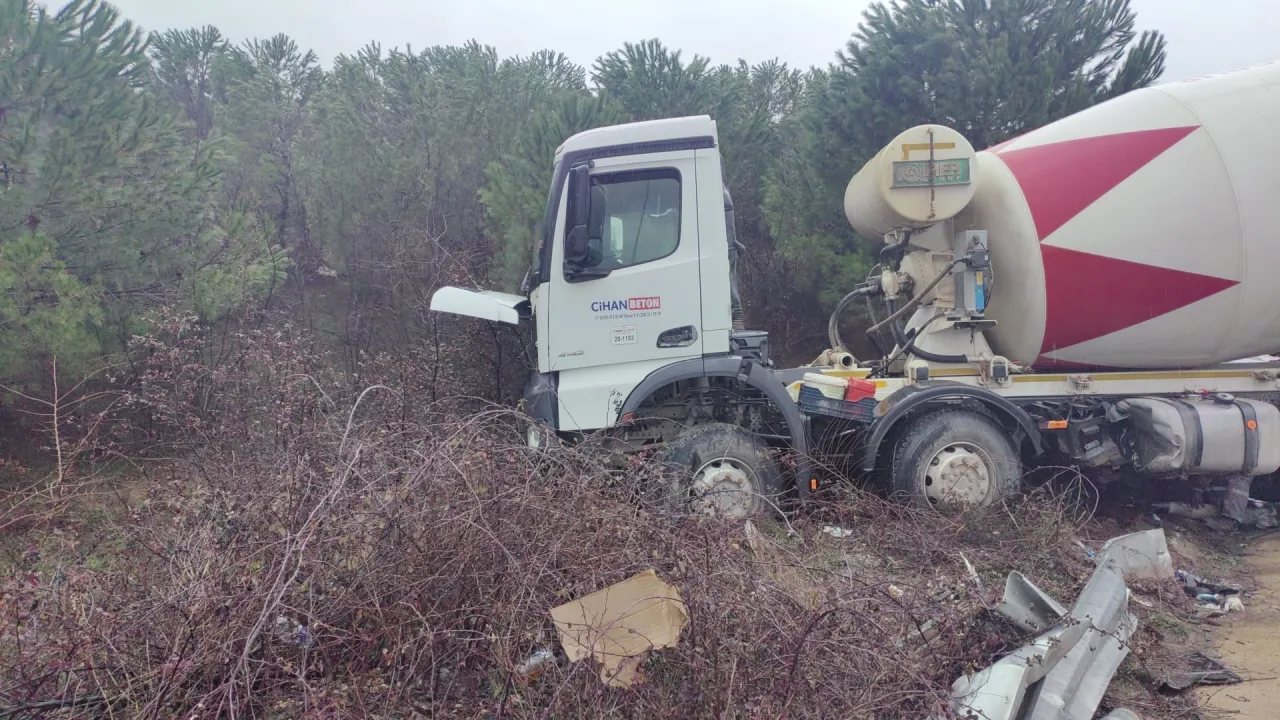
column 535, row 665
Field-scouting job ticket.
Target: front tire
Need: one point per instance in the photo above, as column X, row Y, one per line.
column 955, row 459
column 719, row 470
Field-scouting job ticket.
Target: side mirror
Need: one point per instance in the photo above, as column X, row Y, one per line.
column 578, row 214
column 577, row 240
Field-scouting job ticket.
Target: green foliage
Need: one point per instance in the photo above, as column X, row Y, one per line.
column 184, row 67
column 991, row 69
column 44, row 310
column 247, row 269
column 753, row 105
column 186, row 172
column 108, row 201
column 268, row 87
column 651, row 81
column 417, row 137
column 515, row 195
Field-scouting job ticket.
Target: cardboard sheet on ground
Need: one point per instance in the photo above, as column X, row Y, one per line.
column 621, row 624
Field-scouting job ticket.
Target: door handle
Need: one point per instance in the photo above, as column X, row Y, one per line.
column 683, row 336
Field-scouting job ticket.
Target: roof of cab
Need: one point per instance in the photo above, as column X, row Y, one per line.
column 639, row 132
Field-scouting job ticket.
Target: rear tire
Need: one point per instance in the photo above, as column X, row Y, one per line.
column 955, row 459
column 719, row 470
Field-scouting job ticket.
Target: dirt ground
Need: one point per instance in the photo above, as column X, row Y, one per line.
column 1250, row 644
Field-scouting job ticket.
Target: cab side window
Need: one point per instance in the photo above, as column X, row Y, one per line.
column 634, row 218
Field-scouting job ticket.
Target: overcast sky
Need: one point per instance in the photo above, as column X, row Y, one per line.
column 1205, row 36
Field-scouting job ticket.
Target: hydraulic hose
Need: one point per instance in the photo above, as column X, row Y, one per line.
column 895, row 329
column 934, row 357
column 875, row 339
column 833, row 324
column 914, row 301
column 897, row 249
column 910, row 346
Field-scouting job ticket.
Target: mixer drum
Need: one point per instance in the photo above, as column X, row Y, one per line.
column 1141, row 232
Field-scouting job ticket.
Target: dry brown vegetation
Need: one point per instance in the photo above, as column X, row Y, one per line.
column 305, row 545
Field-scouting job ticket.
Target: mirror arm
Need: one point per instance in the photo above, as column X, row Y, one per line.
column 574, row 273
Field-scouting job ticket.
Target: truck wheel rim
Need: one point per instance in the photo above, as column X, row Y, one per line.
column 960, row 474
column 723, row 488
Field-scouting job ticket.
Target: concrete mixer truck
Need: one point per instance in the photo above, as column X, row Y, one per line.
column 1102, row 292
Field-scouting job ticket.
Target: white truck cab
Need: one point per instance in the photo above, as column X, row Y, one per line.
column 634, row 268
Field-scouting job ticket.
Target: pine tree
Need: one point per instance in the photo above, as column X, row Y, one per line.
column 105, row 203
column 515, row 195
column 73, row 119
column 269, row 86
column 651, row 81
column 185, row 64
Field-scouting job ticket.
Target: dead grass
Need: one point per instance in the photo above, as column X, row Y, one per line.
column 306, row 551
column 421, row 565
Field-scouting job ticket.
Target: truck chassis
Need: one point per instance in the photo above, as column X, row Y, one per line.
column 989, row 428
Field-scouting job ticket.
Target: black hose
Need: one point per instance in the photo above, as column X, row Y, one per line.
column 875, row 339
column 909, row 346
column 934, row 357
column 910, row 304
column 899, row 336
column 898, row 249
column 833, row 324
column 895, row 328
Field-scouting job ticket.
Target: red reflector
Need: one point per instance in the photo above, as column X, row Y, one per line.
column 1054, row 425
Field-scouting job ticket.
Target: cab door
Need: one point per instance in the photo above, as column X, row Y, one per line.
column 635, row 296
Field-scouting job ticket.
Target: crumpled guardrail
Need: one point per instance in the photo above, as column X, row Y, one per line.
column 1064, row 672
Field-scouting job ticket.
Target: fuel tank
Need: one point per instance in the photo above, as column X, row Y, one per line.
column 1139, row 233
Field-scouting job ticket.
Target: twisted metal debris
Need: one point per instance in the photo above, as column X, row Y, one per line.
column 1063, row 673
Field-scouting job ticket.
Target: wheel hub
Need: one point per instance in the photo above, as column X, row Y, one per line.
column 722, row 488
column 958, row 475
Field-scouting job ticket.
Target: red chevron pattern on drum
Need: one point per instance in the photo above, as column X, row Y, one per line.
column 1093, row 295
column 1061, row 179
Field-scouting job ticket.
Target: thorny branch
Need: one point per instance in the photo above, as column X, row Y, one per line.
column 300, row 559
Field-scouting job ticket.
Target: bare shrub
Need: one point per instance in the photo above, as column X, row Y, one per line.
column 312, row 551
column 71, row 419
